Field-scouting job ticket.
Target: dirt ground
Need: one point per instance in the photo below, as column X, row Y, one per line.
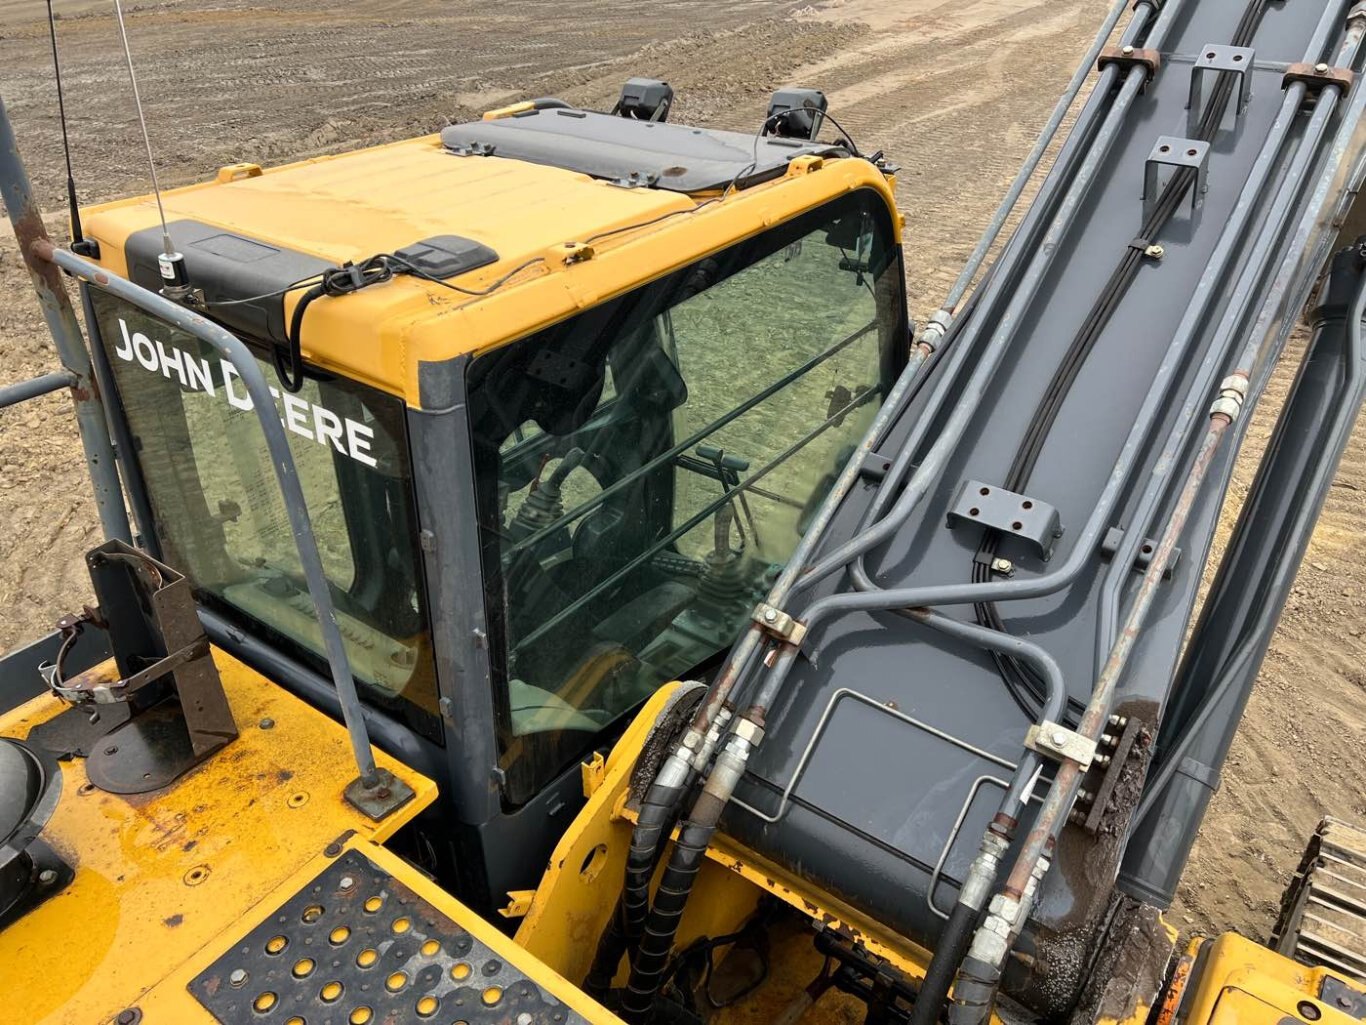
column 936, row 83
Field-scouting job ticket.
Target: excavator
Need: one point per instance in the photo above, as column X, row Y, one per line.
column 548, row 579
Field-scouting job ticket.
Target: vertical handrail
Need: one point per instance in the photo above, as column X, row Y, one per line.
column 379, row 791
column 231, row 348
column 29, row 230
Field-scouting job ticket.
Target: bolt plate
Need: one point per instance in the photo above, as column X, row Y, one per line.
column 987, row 505
column 1059, row 742
column 419, row 954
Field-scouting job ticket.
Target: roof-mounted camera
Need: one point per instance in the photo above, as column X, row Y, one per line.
column 645, row 99
column 796, row 113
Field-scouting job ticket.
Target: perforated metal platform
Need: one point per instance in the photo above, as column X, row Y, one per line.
column 356, row 947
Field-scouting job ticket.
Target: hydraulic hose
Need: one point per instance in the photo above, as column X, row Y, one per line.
column 657, row 811
column 651, row 957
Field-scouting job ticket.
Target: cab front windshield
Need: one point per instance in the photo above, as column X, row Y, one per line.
column 645, row 469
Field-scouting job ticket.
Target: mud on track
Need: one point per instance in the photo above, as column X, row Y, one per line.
column 953, row 90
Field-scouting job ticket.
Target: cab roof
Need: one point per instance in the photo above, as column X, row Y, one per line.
column 554, row 239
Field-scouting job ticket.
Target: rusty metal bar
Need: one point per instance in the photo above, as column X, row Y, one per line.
column 22, row 391
column 372, row 779
column 29, row 230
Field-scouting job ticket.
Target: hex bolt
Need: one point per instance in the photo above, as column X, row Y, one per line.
column 1109, row 739
column 346, row 883
column 1085, row 797
column 238, row 977
column 267, row 724
column 1059, row 737
column 1320, row 69
column 770, row 615
column 1155, row 251
column 1128, row 51
column 129, row 1016
column 47, row 877
column 1119, row 720
column 1101, row 760
column 1077, row 817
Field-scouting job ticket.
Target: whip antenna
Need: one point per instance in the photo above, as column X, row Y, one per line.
column 77, row 235
column 175, row 279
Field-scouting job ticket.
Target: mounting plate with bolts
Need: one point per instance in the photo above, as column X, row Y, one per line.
column 986, row 505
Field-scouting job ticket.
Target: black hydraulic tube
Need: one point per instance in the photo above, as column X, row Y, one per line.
column 971, row 393
column 1019, row 679
column 1229, row 247
column 1244, row 604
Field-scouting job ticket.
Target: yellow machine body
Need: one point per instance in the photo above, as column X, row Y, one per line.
column 1233, row 981
column 578, row 240
column 167, row 882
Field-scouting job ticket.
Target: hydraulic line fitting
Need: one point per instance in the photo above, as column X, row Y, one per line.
column 982, row 873
column 729, row 767
column 1006, row 916
column 991, row 944
column 1231, row 395
column 748, row 731
column 935, row 329
column 708, row 746
column 674, row 771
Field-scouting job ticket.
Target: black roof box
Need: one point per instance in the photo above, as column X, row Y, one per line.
column 678, row 158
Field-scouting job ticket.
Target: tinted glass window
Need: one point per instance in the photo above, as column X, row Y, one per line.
column 221, row 520
column 645, row 469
